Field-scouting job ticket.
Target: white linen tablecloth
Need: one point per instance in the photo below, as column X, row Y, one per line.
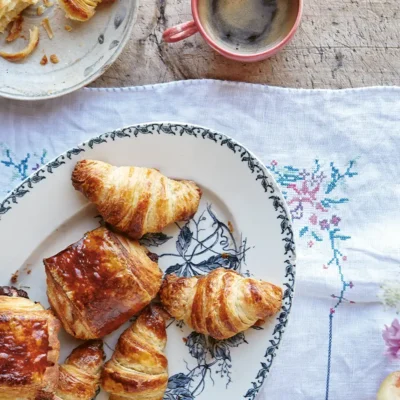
column 336, row 155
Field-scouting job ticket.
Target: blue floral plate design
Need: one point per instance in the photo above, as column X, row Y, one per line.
column 242, row 224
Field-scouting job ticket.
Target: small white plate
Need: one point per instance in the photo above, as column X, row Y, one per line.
column 242, row 223
column 84, row 53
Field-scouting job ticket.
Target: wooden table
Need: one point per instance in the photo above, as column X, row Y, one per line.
column 340, row 43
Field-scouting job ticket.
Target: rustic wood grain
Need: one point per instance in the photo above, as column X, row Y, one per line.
column 340, row 43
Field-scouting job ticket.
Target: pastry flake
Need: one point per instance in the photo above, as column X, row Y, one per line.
column 47, row 27
column 98, row 283
column 220, row 304
column 138, row 367
column 15, row 30
column 135, row 200
column 29, row 348
column 20, row 55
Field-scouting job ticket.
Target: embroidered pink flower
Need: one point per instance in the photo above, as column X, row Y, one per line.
column 344, row 258
column 274, row 163
column 313, row 219
column 310, row 243
column 324, row 224
column 335, row 220
column 351, row 285
column 391, row 336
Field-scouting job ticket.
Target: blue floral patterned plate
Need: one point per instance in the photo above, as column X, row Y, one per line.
column 242, row 224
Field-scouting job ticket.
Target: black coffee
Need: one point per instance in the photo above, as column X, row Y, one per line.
column 242, row 26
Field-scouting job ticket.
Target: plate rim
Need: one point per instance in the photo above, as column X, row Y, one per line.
column 90, row 78
column 164, row 127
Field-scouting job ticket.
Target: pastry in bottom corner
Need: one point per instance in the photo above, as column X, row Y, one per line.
column 29, row 348
column 220, row 304
column 138, row 367
column 11, row 10
column 80, row 374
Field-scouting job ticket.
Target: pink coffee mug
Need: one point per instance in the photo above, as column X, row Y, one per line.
column 242, row 30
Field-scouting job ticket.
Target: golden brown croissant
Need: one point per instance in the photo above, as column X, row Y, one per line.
column 79, row 10
column 80, row 374
column 29, row 348
column 98, row 283
column 138, row 367
column 220, row 304
column 135, row 200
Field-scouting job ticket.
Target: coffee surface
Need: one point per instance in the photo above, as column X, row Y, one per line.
column 243, row 26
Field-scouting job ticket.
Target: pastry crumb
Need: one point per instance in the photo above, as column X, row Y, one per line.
column 184, row 340
column 44, row 60
column 20, row 55
column 40, row 10
column 15, row 30
column 14, row 277
column 68, row 28
column 48, row 3
column 29, row 271
column 47, row 27
column 230, row 226
column 54, row 59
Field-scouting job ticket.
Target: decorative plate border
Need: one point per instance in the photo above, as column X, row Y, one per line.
column 256, row 167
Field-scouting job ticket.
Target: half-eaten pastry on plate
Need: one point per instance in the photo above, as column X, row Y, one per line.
column 11, row 10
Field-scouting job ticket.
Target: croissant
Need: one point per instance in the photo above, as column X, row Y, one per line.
column 220, row 304
column 98, row 283
column 138, row 367
column 29, row 348
column 135, row 200
column 79, row 10
column 80, row 374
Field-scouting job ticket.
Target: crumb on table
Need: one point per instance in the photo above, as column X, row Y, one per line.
column 68, row 28
column 44, row 60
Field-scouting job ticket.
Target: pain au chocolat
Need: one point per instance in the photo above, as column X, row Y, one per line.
column 98, row 283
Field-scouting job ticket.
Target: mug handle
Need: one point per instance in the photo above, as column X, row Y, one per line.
column 180, row 32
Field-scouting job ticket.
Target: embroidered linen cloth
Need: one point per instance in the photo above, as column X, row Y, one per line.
column 335, row 155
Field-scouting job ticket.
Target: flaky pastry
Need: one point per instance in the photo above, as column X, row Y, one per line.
column 80, row 374
column 29, row 348
column 220, row 304
column 135, row 200
column 98, row 283
column 138, row 367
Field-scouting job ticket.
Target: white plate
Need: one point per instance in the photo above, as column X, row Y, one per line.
column 84, row 53
column 242, row 214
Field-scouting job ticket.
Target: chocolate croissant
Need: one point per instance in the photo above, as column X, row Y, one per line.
column 80, row 374
column 135, row 200
column 138, row 367
column 29, row 348
column 98, row 283
column 220, row 304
